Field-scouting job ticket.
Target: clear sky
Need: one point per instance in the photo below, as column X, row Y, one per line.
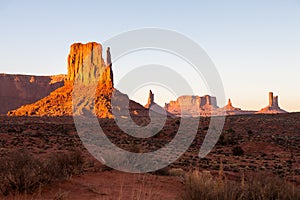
column 255, row 44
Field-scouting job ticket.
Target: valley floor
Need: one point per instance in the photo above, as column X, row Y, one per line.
column 249, row 144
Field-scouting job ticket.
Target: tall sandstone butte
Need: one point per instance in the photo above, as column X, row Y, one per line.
column 86, row 67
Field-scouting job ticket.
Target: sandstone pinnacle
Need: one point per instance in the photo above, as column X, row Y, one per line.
column 150, row 100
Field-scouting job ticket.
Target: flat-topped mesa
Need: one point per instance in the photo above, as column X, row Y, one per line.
column 85, row 64
column 192, row 105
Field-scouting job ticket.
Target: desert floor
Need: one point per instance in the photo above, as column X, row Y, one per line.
column 249, row 144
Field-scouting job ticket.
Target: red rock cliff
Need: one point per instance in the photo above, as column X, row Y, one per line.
column 18, row 90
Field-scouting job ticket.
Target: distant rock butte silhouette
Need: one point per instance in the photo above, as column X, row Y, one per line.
column 189, row 105
column 86, row 59
column 18, row 90
column 273, row 107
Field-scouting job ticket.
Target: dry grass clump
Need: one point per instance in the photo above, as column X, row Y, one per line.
column 203, row 186
column 62, row 166
column 22, row 173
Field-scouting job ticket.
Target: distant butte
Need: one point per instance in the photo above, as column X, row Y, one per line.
column 273, row 107
column 188, row 105
column 207, row 106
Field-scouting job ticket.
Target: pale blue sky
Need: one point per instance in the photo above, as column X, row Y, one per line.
column 255, row 44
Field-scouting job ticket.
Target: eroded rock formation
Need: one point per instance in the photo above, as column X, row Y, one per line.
column 150, row 100
column 192, row 105
column 18, row 90
column 155, row 107
column 86, row 70
column 229, row 107
column 273, row 107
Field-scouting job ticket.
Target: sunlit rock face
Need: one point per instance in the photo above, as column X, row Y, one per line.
column 17, row 90
column 86, row 65
column 87, row 71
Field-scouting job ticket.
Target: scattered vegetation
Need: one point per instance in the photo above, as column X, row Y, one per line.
column 237, row 151
column 201, row 186
column 21, row 173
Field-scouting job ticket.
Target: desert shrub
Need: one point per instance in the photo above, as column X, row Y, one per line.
column 176, row 172
column 203, row 186
column 230, row 130
column 123, row 162
column 260, row 186
column 221, row 140
column 237, row 151
column 250, row 132
column 62, row 165
column 20, row 172
column 227, row 139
